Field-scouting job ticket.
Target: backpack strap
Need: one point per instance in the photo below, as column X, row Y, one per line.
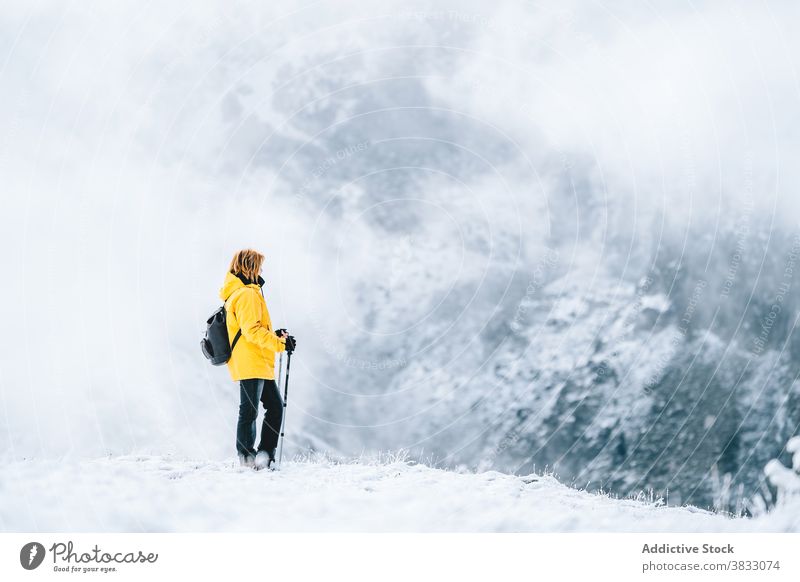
column 236, row 339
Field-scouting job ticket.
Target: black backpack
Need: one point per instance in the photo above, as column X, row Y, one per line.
column 215, row 344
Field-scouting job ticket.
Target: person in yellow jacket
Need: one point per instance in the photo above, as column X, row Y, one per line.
column 252, row 361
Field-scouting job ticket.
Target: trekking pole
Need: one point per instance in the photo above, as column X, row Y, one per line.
column 285, row 399
column 279, row 377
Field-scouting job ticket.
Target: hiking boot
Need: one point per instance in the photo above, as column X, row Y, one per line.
column 246, row 461
column 262, row 460
column 265, row 460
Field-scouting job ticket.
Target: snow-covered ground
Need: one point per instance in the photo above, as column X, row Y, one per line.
column 163, row 494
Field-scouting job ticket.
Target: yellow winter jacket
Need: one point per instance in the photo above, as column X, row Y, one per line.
column 254, row 353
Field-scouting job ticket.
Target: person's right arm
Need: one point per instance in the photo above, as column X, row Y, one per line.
column 248, row 313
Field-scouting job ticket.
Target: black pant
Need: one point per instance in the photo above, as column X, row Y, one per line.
column 273, row 416
column 250, row 391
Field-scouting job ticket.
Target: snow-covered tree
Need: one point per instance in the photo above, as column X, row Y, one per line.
column 786, row 480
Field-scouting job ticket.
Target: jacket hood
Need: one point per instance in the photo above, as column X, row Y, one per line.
column 234, row 282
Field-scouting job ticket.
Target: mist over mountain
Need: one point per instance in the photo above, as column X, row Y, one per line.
column 506, row 236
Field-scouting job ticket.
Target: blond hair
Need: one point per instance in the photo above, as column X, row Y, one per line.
column 247, row 263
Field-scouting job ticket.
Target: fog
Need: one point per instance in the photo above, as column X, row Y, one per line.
column 441, row 191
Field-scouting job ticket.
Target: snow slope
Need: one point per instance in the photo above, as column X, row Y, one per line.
column 163, row 494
